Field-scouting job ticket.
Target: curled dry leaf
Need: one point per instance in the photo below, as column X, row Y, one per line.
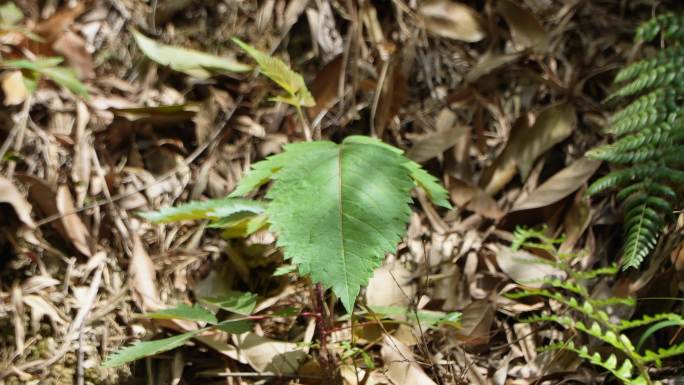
column 559, row 186
column 401, row 365
column 526, row 30
column 452, row 20
column 553, row 125
column 9, row 194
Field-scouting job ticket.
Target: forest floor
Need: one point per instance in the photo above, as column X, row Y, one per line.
column 497, row 99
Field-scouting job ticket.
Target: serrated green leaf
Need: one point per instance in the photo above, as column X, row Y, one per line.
column 437, row 194
column 214, row 209
column 185, row 312
column 234, row 301
column 359, row 213
column 194, row 63
column 283, row 270
column 361, row 206
column 276, row 70
column 146, row 348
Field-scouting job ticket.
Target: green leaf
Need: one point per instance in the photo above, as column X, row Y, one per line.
column 655, row 327
column 283, row 270
column 189, row 61
column 235, row 301
column 276, row 70
column 64, row 76
column 359, row 214
column 215, row 209
column 235, row 326
column 438, row 195
column 426, row 318
column 185, row 312
column 146, row 349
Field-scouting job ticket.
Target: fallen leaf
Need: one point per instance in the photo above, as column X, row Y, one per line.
column 143, row 277
column 269, row 355
column 576, row 222
column 526, row 268
column 490, row 62
column 476, row 322
column 73, row 48
column 391, row 285
column 526, row 30
column 13, row 87
column 401, row 365
column 53, row 27
column 553, row 125
column 10, row 195
column 325, row 86
column 560, row 185
column 452, row 20
column 74, row 229
column 435, row 143
column 474, row 199
column 189, row 61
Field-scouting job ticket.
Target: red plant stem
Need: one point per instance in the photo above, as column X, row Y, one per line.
column 323, row 331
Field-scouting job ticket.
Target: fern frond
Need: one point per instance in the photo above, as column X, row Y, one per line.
column 670, row 25
column 620, row 177
column 647, row 320
column 667, row 74
column 661, row 354
column 624, row 372
column 670, row 54
column 643, row 231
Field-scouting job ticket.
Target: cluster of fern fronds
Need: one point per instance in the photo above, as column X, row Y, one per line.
column 650, row 139
column 585, row 316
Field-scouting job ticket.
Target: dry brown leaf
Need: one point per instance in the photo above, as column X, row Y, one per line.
column 73, row 48
column 394, row 91
column 474, row 199
column 391, row 285
column 553, row 124
column 401, row 365
column 10, row 195
column 54, row 26
column 576, row 222
column 476, row 322
column 143, row 277
column 435, row 143
column 559, row 186
column 74, row 229
column 269, row 355
column 525, row 268
column 526, row 30
column 489, row 63
column 452, row 20
column 13, row 87
column 325, row 86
